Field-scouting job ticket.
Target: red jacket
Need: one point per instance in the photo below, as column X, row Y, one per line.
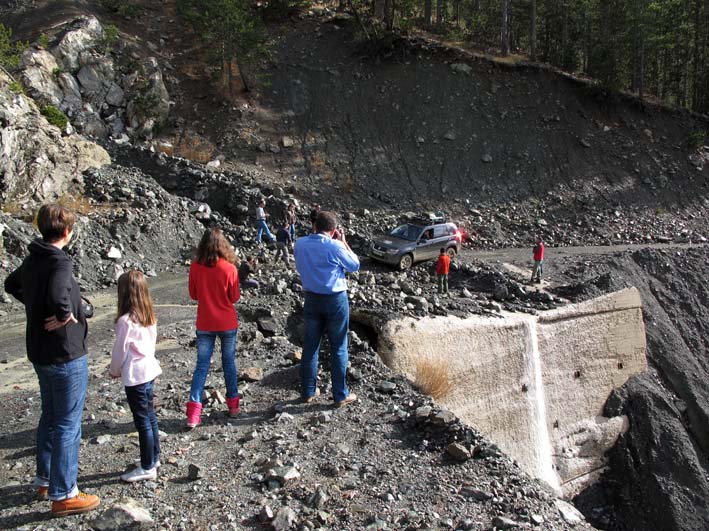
column 443, row 265
column 215, row 289
column 538, row 252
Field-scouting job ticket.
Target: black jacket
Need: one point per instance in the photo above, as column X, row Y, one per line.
column 45, row 284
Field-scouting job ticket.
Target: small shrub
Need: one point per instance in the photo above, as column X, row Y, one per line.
column 696, row 139
column 433, row 377
column 54, row 116
column 56, row 72
column 16, row 87
column 129, row 10
column 43, row 41
column 10, row 51
column 110, row 36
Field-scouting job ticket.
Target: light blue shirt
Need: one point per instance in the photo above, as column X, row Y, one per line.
column 322, row 263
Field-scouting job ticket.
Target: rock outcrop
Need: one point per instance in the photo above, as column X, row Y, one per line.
column 36, row 161
column 101, row 92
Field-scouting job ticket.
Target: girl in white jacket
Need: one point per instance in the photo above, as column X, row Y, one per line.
column 133, row 360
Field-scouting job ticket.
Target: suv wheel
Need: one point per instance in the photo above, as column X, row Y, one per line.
column 405, row 262
column 451, row 252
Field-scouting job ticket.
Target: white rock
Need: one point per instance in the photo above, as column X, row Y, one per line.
column 114, row 253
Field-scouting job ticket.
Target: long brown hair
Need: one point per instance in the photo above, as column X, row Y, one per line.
column 134, row 298
column 212, row 247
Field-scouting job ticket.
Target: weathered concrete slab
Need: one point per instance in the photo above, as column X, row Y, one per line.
column 535, row 385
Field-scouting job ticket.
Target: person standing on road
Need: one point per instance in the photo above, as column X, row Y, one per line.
column 56, row 346
column 214, row 284
column 538, row 256
column 442, row 268
column 133, row 361
column 261, row 226
column 322, row 259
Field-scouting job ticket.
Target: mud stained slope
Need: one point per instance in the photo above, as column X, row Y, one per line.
column 411, row 128
column 659, row 468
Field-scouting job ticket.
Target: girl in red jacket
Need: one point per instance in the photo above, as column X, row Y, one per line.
column 214, row 284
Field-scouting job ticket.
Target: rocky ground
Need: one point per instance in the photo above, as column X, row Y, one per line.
column 375, row 132
column 382, row 463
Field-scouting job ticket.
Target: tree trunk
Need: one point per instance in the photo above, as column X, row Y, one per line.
column 533, row 30
column 439, row 12
column 427, row 13
column 389, row 14
column 379, row 9
column 505, row 32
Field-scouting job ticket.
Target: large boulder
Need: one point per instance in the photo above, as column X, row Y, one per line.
column 148, row 99
column 36, row 161
column 81, row 36
column 39, row 75
column 96, row 79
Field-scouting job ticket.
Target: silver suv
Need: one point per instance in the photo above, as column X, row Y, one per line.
column 415, row 242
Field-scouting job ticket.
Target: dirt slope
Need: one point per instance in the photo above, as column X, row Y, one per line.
column 399, row 124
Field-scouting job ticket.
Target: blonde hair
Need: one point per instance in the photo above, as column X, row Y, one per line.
column 134, row 298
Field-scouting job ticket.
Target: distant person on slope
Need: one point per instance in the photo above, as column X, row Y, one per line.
column 283, row 242
column 214, row 284
column 56, row 346
column 133, row 361
column 291, row 219
column 246, row 269
column 322, row 259
column 443, row 266
column 314, row 216
column 261, row 226
column 538, row 256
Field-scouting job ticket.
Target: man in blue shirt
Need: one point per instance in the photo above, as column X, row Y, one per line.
column 322, row 259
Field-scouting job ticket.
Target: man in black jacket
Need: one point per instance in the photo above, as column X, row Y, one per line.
column 56, row 345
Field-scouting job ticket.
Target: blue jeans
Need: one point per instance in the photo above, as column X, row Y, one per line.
column 205, row 347
column 62, row 387
column 140, row 401
column 291, row 230
column 262, row 228
column 331, row 314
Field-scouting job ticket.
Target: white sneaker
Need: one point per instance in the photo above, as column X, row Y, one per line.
column 138, row 474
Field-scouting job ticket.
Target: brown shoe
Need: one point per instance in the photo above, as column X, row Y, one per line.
column 81, row 503
column 309, row 399
column 42, row 493
column 351, row 398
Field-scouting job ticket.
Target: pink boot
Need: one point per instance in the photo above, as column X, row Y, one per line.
column 233, row 405
column 194, row 410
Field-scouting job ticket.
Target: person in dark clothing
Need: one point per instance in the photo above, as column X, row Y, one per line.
column 56, row 346
column 314, row 216
column 246, row 268
column 283, row 242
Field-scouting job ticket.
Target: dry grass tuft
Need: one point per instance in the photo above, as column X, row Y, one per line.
column 433, row 377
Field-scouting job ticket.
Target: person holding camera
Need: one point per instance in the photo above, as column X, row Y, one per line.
column 322, row 259
column 56, row 346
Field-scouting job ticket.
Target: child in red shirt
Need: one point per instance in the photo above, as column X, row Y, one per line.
column 442, row 268
column 214, row 284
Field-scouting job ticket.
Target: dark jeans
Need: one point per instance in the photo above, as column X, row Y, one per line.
column 140, row 400
column 62, row 387
column 331, row 314
column 205, row 347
